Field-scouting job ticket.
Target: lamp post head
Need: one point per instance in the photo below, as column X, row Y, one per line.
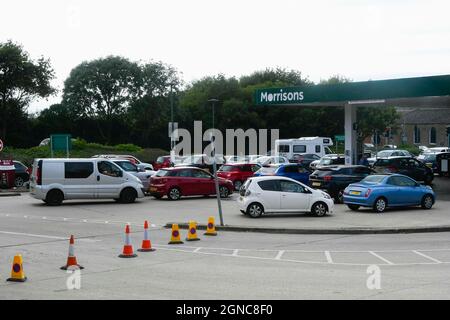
column 213, row 100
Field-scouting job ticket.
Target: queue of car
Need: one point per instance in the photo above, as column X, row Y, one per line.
column 266, row 184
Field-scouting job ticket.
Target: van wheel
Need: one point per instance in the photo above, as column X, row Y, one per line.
column 319, row 209
column 54, row 198
column 174, row 194
column 427, row 201
column 128, row 195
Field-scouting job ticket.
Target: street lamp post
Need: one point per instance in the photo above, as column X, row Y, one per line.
column 216, row 181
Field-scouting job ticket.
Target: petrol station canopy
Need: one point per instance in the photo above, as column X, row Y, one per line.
column 431, row 91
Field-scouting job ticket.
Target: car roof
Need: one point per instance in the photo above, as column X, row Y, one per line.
column 395, row 157
column 180, row 168
column 261, row 178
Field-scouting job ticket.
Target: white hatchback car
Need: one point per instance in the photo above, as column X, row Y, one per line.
column 260, row 195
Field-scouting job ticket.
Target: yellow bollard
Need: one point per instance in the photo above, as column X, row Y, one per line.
column 17, row 274
column 210, row 228
column 192, row 232
column 175, row 237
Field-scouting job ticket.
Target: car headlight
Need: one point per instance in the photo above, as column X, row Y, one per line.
column 326, row 195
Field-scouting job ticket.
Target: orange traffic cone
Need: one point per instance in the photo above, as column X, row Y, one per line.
column 192, row 232
column 175, row 237
column 71, row 259
column 146, row 243
column 128, row 247
column 210, row 228
column 17, row 274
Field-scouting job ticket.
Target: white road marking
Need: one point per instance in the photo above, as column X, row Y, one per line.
column 197, row 250
column 380, row 257
column 280, row 254
column 426, row 256
column 328, row 256
column 235, row 253
column 46, row 236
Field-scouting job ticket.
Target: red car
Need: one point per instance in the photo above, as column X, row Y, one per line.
column 162, row 162
column 186, row 181
column 238, row 172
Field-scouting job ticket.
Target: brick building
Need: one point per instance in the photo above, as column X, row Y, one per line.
column 423, row 127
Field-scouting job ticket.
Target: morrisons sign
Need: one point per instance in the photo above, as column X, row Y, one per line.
column 279, row 96
column 355, row 91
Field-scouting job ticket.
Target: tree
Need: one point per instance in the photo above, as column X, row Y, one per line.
column 103, row 89
column 21, row 81
column 372, row 119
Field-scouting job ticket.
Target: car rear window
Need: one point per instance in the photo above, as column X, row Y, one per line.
column 267, row 170
column 269, row 185
column 228, row 168
column 373, row 179
column 164, row 173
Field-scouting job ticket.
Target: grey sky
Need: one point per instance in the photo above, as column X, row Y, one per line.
column 358, row 39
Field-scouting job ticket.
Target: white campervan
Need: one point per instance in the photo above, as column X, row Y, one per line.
column 56, row 180
column 292, row 148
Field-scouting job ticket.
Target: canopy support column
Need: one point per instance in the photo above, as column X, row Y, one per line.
column 350, row 134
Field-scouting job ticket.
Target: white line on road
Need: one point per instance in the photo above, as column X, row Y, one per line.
column 235, row 253
column 45, row 236
column 380, row 257
column 280, row 254
column 426, row 257
column 197, row 250
column 328, row 256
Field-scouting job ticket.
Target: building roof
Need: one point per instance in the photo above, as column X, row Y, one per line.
column 425, row 116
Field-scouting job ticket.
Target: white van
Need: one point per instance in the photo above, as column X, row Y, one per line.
column 55, row 180
column 293, row 148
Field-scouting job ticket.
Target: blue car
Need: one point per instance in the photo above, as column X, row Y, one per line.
column 296, row 171
column 388, row 190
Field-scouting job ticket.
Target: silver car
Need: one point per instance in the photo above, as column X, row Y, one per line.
column 128, row 166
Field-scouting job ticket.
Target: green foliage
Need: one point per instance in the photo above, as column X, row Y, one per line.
column 128, row 147
column 82, row 149
column 21, row 81
column 410, row 148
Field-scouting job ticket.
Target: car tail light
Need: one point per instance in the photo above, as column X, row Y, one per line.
column 367, row 194
column 392, row 169
column 247, row 193
column 39, row 173
column 327, row 178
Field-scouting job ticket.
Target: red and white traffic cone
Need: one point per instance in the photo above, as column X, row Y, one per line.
column 71, row 259
column 146, row 243
column 128, row 247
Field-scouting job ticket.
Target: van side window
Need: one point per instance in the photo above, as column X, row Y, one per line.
column 317, row 148
column 108, row 169
column 283, row 148
column 78, row 170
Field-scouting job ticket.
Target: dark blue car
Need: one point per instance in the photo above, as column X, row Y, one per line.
column 388, row 190
column 296, row 171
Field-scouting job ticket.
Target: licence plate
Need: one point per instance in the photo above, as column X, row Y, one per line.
column 316, row 184
column 355, row 193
